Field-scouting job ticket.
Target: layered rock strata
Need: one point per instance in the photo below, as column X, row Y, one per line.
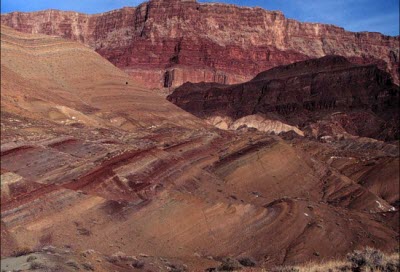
column 362, row 99
column 167, row 43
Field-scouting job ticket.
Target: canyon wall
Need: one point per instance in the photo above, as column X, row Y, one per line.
column 167, row 43
column 302, row 93
column 100, row 175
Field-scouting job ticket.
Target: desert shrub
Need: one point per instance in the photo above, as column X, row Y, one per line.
column 37, row 265
column 368, row 258
column 22, row 251
column 112, row 259
column 31, row 258
column 84, row 231
column 177, row 268
column 49, row 249
column 72, row 264
column 247, row 262
column 88, row 266
column 286, row 269
column 137, row 264
column 229, row 264
column 392, row 265
column 120, row 256
column 345, row 268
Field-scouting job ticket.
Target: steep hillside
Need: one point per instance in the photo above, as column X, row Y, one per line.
column 98, row 173
column 325, row 96
column 164, row 43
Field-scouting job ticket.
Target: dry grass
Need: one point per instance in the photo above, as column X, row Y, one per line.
column 367, row 260
column 318, row 267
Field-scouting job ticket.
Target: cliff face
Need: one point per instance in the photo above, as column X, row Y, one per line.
column 303, row 93
column 167, row 43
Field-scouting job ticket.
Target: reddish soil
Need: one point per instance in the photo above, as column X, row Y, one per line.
column 115, row 168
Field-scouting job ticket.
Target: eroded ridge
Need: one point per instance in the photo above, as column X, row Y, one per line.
column 110, row 176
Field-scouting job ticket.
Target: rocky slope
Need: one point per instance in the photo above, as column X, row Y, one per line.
column 325, row 96
column 164, row 43
column 100, row 174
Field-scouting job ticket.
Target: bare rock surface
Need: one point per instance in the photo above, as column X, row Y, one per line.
column 328, row 96
column 101, row 174
column 167, row 43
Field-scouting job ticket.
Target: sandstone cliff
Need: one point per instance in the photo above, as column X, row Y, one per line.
column 167, row 43
column 302, row 93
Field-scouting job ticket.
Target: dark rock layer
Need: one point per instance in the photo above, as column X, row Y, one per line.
column 302, row 93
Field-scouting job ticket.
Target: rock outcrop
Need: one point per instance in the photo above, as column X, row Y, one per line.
column 303, row 93
column 167, row 43
column 100, row 175
column 253, row 121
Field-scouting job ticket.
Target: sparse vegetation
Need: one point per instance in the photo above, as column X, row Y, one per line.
column 229, row 264
column 286, row 269
column 373, row 260
column 138, row 264
column 31, row 258
column 247, row 262
column 177, row 268
column 22, row 251
column 112, row 259
column 84, row 231
column 120, row 256
column 88, row 266
column 50, row 249
column 367, row 260
column 72, row 264
column 37, row 265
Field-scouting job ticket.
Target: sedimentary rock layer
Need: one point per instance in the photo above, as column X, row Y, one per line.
column 303, row 93
column 97, row 167
column 167, row 43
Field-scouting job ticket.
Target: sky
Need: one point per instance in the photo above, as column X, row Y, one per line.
column 354, row 15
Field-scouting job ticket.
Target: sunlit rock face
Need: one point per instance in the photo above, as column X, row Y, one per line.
column 257, row 122
column 100, row 174
column 163, row 44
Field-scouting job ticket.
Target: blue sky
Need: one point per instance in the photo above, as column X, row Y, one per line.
column 355, row 15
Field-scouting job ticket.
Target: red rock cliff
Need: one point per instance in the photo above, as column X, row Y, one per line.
column 167, row 43
column 303, row 92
